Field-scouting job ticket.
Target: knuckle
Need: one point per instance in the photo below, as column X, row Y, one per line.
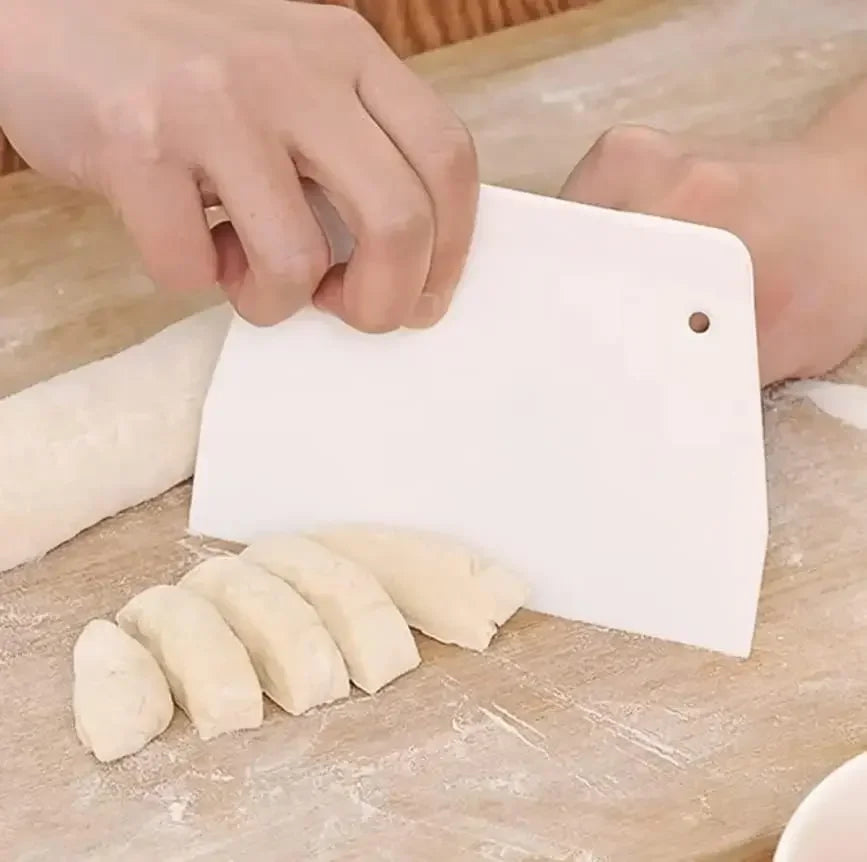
column 301, row 267
column 456, row 152
column 409, row 221
column 345, row 18
column 209, row 90
column 131, row 125
column 206, row 74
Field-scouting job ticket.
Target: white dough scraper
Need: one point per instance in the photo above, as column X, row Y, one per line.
column 588, row 412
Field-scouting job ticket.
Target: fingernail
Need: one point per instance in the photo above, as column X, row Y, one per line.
column 428, row 310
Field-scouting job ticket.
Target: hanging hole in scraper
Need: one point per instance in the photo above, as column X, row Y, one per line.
column 699, row 322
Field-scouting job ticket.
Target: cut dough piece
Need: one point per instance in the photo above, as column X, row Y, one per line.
column 442, row 588
column 86, row 444
column 207, row 667
column 120, row 698
column 296, row 659
column 372, row 635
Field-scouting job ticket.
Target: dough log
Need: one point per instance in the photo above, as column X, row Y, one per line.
column 361, row 617
column 120, row 698
column 207, row 667
column 298, row 664
column 89, row 443
column 441, row 588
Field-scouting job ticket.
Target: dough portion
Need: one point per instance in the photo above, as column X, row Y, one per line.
column 441, row 588
column 207, row 667
column 372, row 635
column 298, row 664
column 120, row 698
column 87, row 444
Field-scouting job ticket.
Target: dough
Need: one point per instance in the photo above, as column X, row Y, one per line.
column 441, row 588
column 207, row 667
column 296, row 660
column 372, row 635
column 86, row 444
column 120, row 698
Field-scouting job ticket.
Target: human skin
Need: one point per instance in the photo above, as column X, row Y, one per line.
column 800, row 206
column 166, row 108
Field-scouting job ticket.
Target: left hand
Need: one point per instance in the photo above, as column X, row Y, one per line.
column 800, row 209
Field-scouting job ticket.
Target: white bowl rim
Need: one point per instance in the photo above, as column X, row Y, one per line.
column 814, row 802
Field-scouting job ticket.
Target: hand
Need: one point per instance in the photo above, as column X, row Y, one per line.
column 800, row 207
column 168, row 107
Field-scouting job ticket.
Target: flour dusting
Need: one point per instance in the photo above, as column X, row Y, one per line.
column 10, row 617
column 844, row 401
column 501, row 723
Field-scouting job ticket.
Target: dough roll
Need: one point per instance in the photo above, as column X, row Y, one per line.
column 89, row 443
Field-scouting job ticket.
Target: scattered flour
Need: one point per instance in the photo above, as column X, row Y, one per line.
column 796, row 558
column 177, row 810
column 844, row 401
column 11, row 617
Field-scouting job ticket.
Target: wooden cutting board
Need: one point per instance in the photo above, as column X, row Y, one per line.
column 562, row 742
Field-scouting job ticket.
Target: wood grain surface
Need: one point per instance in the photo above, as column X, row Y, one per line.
column 562, row 742
column 412, row 26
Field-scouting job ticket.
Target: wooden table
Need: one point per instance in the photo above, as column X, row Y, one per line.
column 562, row 742
column 412, row 26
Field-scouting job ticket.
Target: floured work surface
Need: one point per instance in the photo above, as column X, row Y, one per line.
column 560, row 742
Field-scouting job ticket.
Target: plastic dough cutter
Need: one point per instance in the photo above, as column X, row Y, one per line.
column 588, row 412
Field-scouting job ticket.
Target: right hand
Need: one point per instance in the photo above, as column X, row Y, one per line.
column 798, row 205
column 166, row 108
